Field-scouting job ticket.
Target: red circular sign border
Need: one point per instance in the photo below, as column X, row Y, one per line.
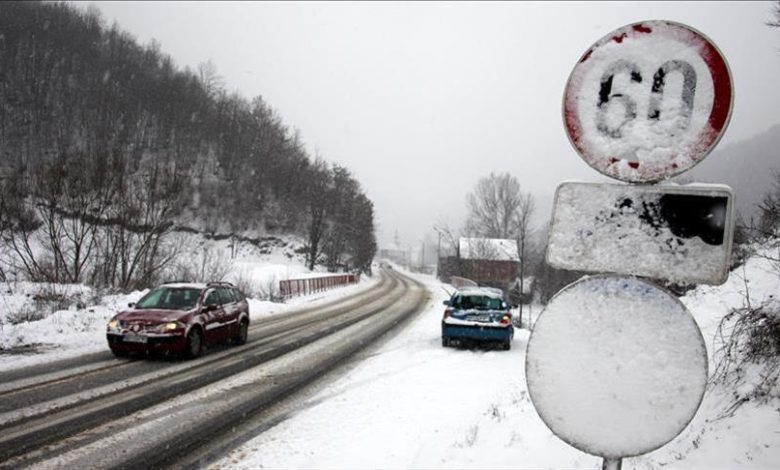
column 720, row 114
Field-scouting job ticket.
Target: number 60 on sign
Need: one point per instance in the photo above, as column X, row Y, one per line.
column 648, row 101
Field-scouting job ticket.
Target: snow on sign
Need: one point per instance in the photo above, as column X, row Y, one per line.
column 616, row 367
column 648, row 101
column 672, row 232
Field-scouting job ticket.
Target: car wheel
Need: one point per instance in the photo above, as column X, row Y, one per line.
column 243, row 332
column 194, row 343
column 507, row 345
column 445, row 341
column 118, row 353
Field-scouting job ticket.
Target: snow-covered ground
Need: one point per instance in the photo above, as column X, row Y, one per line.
column 413, row 404
column 409, row 403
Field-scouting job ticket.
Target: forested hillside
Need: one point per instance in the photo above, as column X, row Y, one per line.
column 748, row 166
column 107, row 146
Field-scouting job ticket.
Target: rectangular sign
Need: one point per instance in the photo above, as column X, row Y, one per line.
column 676, row 233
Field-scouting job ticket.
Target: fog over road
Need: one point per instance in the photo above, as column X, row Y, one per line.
column 96, row 411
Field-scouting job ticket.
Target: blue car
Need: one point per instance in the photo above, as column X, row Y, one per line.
column 477, row 314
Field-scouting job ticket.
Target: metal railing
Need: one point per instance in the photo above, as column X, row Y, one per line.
column 293, row 287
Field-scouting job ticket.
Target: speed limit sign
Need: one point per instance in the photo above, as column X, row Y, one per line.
column 648, row 101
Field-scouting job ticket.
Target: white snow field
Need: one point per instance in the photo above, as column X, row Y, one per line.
column 410, row 403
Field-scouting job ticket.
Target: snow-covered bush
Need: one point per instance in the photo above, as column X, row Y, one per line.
column 748, row 337
column 26, row 313
column 269, row 290
column 206, row 265
column 749, row 350
column 243, row 280
column 747, row 347
column 26, row 302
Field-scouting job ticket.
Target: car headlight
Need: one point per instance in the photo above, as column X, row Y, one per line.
column 170, row 326
column 113, row 324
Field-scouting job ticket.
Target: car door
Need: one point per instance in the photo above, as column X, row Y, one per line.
column 213, row 314
column 230, row 312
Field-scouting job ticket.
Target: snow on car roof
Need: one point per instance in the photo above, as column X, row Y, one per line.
column 493, row 289
column 188, row 285
column 489, row 292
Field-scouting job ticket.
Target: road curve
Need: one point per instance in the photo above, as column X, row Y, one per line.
column 100, row 412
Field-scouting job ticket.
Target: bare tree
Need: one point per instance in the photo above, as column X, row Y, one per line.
column 318, row 207
column 448, row 238
column 775, row 23
column 492, row 207
column 769, row 208
column 498, row 208
column 342, row 195
column 482, row 248
column 209, row 79
column 135, row 245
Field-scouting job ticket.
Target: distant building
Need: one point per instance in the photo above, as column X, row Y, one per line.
column 487, row 261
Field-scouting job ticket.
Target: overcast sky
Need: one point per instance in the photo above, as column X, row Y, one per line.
column 420, row 100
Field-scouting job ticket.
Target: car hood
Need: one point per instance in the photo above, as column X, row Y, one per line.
column 151, row 315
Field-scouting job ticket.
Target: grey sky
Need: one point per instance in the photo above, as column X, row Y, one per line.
column 420, row 100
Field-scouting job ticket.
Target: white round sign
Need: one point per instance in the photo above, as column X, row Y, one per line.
column 648, row 101
column 616, row 366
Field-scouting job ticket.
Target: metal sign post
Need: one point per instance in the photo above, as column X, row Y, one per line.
column 612, row 464
column 616, row 365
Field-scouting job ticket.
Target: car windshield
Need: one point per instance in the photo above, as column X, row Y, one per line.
column 170, row 298
column 476, row 302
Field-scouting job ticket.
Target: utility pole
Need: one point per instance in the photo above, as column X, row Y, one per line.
column 438, row 251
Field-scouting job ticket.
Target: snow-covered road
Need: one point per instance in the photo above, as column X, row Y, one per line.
column 413, row 404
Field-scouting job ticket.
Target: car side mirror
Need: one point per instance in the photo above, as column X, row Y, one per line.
column 131, row 304
column 446, row 302
column 209, row 307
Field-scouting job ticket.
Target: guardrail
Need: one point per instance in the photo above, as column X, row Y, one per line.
column 292, row 287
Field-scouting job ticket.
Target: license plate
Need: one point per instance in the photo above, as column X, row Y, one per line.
column 134, row 339
column 482, row 318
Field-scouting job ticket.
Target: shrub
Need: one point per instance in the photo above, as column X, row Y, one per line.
column 204, row 266
column 25, row 314
column 269, row 290
column 749, row 341
column 245, row 284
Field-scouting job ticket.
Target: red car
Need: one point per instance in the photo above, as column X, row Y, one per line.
column 180, row 318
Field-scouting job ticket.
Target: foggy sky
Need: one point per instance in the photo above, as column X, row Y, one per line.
column 420, row 100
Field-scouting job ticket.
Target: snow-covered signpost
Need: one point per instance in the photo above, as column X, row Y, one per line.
column 616, row 366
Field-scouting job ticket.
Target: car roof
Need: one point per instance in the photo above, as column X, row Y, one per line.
column 196, row 285
column 493, row 289
column 486, row 291
column 185, row 285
